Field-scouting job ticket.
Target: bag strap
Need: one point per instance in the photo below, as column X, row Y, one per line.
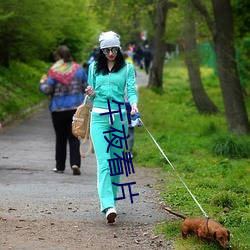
column 93, row 70
column 86, row 138
column 93, row 73
column 127, row 75
column 90, row 149
column 85, row 99
column 127, row 72
column 126, row 83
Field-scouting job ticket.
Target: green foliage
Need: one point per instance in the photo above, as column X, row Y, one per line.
column 231, row 146
column 224, row 200
column 176, row 18
column 243, row 59
column 128, row 18
column 219, row 183
column 29, row 33
column 19, row 87
column 175, row 25
column 241, row 17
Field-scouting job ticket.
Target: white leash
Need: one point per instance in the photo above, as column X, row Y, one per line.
column 174, row 170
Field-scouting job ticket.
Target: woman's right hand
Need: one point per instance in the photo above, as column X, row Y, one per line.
column 134, row 109
column 90, row 91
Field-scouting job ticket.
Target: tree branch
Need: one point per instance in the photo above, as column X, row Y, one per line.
column 202, row 9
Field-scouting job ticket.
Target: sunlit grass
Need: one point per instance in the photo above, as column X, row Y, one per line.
column 193, row 142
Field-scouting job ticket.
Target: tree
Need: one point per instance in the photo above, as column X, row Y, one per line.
column 223, row 38
column 242, row 33
column 201, row 99
column 241, row 17
column 159, row 46
column 126, row 18
column 28, row 33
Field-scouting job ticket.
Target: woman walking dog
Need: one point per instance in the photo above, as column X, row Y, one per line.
column 108, row 78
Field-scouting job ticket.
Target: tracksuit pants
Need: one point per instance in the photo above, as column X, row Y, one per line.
column 104, row 151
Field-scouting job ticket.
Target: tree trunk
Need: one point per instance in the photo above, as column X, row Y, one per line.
column 159, row 47
column 235, row 109
column 201, row 99
column 223, row 38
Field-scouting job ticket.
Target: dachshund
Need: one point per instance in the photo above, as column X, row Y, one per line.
column 204, row 229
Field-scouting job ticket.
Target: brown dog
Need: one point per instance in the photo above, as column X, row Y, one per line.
column 204, row 229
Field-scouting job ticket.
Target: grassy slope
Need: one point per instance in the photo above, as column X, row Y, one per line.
column 220, row 184
column 19, row 88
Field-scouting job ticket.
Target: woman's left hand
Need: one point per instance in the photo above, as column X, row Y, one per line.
column 134, row 109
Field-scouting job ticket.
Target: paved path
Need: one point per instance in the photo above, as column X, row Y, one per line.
column 29, row 189
column 26, row 163
column 27, row 160
column 141, row 78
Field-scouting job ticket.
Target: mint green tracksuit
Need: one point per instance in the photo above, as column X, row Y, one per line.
column 109, row 87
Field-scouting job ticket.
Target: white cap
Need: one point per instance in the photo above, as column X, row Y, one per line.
column 109, row 39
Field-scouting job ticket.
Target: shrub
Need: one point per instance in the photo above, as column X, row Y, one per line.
column 223, row 200
column 231, row 146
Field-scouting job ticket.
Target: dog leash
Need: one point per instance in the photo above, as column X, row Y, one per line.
column 174, row 169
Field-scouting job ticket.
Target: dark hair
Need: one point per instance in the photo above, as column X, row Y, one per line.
column 102, row 67
column 64, row 53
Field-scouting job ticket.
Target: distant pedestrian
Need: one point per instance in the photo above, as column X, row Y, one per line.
column 93, row 55
column 147, row 54
column 138, row 56
column 65, row 84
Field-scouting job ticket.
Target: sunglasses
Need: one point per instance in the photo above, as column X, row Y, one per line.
column 106, row 51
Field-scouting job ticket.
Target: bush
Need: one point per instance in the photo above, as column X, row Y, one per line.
column 223, row 200
column 231, row 146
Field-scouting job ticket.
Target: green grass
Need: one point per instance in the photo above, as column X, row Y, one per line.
column 214, row 164
column 19, row 88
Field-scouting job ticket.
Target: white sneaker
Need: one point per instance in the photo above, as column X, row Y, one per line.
column 58, row 171
column 111, row 214
column 76, row 170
